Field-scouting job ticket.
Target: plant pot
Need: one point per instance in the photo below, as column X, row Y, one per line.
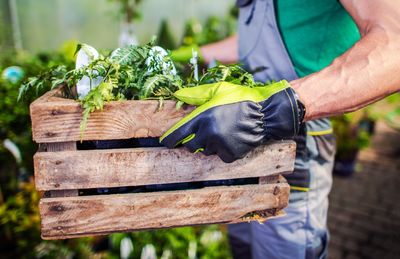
column 345, row 164
column 368, row 125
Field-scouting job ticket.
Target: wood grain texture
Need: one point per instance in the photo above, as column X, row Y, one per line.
column 56, row 119
column 103, row 214
column 142, row 166
column 55, row 147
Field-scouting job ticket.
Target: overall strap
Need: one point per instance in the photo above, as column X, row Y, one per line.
column 261, row 47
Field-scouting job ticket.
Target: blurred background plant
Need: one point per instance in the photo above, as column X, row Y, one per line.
column 392, row 117
column 15, row 67
column 215, row 28
column 353, row 132
column 129, row 10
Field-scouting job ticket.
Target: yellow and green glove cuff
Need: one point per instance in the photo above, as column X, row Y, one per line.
column 232, row 119
column 184, row 53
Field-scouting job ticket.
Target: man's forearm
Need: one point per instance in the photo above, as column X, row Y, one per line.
column 367, row 72
column 225, row 51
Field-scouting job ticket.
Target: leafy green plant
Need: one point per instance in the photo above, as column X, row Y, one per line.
column 202, row 242
column 19, row 215
column 127, row 73
column 214, row 29
column 43, row 82
column 351, row 136
column 14, row 117
column 392, row 118
column 128, row 8
column 229, row 73
column 20, row 230
column 165, row 36
column 134, row 72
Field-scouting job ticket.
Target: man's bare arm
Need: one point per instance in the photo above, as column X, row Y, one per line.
column 225, row 51
column 367, row 72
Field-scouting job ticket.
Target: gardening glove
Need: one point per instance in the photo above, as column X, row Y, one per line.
column 184, row 53
column 232, row 119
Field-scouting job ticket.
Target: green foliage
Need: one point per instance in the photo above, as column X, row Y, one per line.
column 95, row 100
column 350, row 133
column 20, row 232
column 133, row 72
column 394, row 98
column 19, row 216
column 128, row 9
column 43, row 82
column 14, row 117
column 207, row 242
column 126, row 73
column 214, row 29
column 133, row 55
column 228, row 73
column 392, row 118
column 165, row 37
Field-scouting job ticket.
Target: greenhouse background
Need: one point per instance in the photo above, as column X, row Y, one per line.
column 46, row 24
column 36, row 35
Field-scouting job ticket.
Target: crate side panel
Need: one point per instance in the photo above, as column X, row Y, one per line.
column 57, row 119
column 143, row 166
column 103, row 214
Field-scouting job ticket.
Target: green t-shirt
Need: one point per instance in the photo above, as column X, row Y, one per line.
column 315, row 32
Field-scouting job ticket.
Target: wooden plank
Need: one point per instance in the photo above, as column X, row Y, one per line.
column 55, row 147
column 103, row 214
column 56, row 119
column 142, row 166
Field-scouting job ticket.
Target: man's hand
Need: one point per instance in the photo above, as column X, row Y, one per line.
column 233, row 119
column 225, row 51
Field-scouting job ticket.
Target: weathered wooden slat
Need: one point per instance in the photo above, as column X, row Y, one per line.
column 55, row 147
column 103, row 214
column 56, row 119
column 142, row 166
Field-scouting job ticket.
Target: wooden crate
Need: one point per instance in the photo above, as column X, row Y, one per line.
column 66, row 174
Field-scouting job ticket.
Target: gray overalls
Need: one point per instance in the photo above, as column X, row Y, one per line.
column 302, row 233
